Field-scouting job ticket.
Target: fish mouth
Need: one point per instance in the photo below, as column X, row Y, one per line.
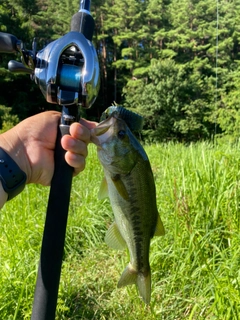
column 102, row 132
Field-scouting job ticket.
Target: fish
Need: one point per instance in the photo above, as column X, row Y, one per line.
column 129, row 184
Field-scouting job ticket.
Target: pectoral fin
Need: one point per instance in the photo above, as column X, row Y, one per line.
column 159, row 231
column 103, row 191
column 114, row 238
column 120, row 187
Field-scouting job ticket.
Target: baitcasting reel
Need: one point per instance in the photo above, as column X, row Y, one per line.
column 67, row 69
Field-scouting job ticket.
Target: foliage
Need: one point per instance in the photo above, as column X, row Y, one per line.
column 172, row 100
column 229, row 112
column 7, row 120
column 195, row 266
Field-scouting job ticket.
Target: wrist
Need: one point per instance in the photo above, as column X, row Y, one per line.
column 13, row 179
column 14, row 147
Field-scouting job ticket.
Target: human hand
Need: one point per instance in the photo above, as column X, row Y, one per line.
column 31, row 145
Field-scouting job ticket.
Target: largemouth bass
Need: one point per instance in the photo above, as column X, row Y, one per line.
column 129, row 183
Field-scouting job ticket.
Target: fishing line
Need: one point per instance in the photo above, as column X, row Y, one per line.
column 216, row 67
column 82, row 7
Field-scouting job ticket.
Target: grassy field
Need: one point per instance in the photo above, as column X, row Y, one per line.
column 195, row 266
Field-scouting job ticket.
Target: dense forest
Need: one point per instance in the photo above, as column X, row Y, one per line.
column 176, row 63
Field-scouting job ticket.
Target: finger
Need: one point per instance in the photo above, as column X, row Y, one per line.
column 80, row 132
column 76, row 161
column 73, row 145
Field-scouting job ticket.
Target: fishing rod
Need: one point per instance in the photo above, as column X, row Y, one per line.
column 67, row 73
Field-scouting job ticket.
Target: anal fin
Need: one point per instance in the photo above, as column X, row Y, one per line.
column 114, row 238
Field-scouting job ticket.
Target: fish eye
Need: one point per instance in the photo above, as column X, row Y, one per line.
column 121, row 134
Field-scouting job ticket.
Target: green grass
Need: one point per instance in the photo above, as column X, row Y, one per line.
column 195, row 266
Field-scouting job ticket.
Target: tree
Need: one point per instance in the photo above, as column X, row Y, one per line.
column 227, row 111
column 168, row 102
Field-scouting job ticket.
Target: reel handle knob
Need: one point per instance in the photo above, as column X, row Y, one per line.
column 18, row 67
column 8, row 43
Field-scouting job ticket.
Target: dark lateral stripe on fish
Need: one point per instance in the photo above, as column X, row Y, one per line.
column 136, row 229
column 142, row 265
column 139, row 253
column 136, row 220
column 136, row 224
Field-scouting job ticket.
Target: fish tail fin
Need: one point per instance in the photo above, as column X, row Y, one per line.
column 144, row 286
column 142, row 281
